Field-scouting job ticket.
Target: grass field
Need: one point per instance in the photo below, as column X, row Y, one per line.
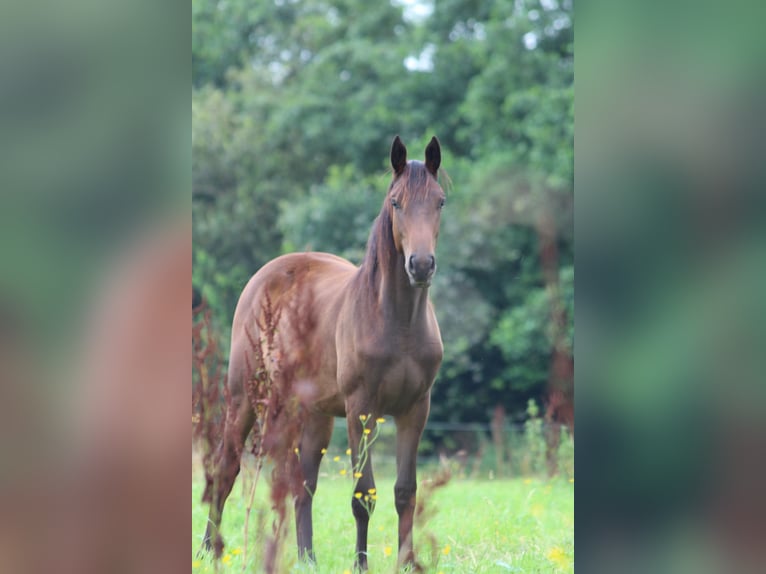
column 479, row 526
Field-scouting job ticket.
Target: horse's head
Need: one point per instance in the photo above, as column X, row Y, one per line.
column 416, row 201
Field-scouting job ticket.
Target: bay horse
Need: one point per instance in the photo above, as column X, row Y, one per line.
column 376, row 341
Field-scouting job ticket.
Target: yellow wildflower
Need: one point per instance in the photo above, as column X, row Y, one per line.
column 367, row 431
column 336, row 458
column 357, row 495
column 348, row 451
column 226, row 559
column 343, row 472
column 363, row 418
column 357, row 474
column 323, row 451
column 196, row 564
column 372, row 491
column 380, row 420
column 387, row 551
column 558, row 557
column 446, row 550
column 374, row 496
column 236, row 551
column 295, row 450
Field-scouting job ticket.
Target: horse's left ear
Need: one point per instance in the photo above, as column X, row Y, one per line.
column 433, row 156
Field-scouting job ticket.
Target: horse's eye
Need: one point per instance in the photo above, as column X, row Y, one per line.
column 441, row 204
column 395, row 203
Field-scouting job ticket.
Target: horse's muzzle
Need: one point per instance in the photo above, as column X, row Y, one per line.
column 421, row 268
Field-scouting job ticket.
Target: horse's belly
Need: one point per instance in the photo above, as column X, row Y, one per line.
column 330, row 404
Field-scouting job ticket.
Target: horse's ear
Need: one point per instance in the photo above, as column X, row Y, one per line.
column 398, row 156
column 433, row 156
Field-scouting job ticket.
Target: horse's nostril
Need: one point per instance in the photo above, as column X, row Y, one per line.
column 411, row 263
column 433, row 262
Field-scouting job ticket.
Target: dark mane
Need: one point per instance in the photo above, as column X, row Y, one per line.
column 380, row 249
column 414, row 183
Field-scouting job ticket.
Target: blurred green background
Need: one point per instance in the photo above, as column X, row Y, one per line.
column 671, row 245
column 294, row 106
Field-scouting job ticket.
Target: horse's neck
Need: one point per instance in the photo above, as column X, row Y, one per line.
column 399, row 302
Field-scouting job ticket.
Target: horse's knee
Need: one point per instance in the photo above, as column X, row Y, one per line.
column 229, row 473
column 404, row 497
column 360, row 510
column 310, row 486
column 305, row 497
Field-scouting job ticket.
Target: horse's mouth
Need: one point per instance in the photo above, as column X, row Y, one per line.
column 421, row 284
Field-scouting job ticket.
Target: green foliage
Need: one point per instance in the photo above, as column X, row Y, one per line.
column 294, row 105
column 335, row 216
column 525, row 336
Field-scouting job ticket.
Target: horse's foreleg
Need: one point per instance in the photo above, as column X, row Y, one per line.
column 239, row 422
column 409, row 428
column 315, row 438
column 363, row 502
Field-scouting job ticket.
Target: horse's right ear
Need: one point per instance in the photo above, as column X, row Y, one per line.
column 398, row 156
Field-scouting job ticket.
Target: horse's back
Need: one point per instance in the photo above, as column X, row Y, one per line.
column 315, row 278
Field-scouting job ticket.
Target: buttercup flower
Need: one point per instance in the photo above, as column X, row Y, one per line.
column 558, row 557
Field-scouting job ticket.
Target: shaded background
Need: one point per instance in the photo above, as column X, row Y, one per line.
column 670, row 301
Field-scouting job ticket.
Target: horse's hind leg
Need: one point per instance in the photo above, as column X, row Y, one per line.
column 240, row 418
column 314, row 439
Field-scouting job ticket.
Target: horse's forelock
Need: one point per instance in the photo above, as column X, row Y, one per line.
column 413, row 184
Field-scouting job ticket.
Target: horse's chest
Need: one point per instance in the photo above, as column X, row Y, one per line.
column 398, row 379
column 405, row 372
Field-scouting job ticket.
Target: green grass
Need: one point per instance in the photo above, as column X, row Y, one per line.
column 480, row 526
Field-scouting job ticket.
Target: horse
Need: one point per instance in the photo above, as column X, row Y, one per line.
column 376, row 342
